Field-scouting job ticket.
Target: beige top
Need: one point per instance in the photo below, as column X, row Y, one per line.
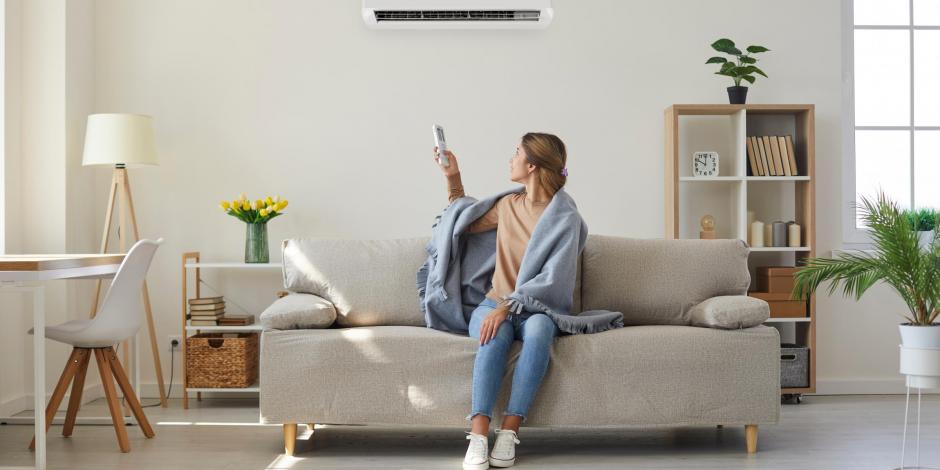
column 514, row 218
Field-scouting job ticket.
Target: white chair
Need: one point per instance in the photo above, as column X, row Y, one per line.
column 119, row 318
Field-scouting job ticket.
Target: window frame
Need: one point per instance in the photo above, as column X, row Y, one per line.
column 852, row 236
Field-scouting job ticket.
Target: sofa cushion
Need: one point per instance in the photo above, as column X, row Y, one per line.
column 656, row 281
column 298, row 311
column 370, row 282
column 642, row 375
column 730, row 312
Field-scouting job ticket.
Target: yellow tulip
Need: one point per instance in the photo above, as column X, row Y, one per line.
column 246, row 205
column 224, row 205
column 263, row 212
column 259, row 204
column 269, row 201
column 281, row 205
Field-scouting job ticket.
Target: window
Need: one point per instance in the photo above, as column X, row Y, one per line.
column 892, row 104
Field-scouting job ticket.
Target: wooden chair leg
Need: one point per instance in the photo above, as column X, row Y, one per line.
column 290, row 438
column 107, row 382
column 64, row 380
column 128, row 391
column 78, row 387
column 750, row 431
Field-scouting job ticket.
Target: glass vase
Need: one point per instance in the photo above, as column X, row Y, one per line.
column 256, row 243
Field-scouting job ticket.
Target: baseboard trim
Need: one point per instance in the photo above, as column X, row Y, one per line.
column 25, row 402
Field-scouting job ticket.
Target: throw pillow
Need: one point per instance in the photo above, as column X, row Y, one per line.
column 730, row 312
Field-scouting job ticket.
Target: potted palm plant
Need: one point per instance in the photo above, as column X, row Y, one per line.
column 898, row 259
column 740, row 67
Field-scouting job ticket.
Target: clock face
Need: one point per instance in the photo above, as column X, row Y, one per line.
column 705, row 164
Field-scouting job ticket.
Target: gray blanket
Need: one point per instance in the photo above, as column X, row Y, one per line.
column 459, row 269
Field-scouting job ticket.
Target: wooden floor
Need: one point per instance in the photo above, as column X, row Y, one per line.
column 825, row 432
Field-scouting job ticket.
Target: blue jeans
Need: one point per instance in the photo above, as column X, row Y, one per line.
column 537, row 332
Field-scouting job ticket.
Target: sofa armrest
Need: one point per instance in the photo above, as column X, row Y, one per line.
column 297, row 311
column 730, row 312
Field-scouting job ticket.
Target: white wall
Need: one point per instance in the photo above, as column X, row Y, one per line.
column 48, row 197
column 298, row 98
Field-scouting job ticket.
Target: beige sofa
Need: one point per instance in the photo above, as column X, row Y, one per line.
column 378, row 364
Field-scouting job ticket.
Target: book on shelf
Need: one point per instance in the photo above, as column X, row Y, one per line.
column 768, row 157
column 205, row 317
column 237, row 320
column 793, row 167
column 781, row 165
column 784, row 156
column 758, row 156
column 775, row 151
column 750, row 158
column 205, row 300
column 207, row 307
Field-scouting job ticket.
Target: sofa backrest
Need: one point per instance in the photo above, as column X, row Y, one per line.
column 656, row 281
column 371, row 282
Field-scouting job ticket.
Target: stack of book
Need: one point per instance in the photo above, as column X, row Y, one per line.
column 206, row 311
column 236, row 320
column 771, row 156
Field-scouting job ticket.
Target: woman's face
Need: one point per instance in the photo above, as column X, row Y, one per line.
column 518, row 166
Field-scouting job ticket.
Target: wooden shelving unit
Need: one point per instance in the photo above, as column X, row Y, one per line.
column 192, row 260
column 728, row 196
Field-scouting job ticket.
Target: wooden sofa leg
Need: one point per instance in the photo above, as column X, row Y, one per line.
column 750, row 431
column 290, row 438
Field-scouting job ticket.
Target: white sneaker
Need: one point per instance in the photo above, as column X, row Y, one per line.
column 504, row 449
column 476, row 452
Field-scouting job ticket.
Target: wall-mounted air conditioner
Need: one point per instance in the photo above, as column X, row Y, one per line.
column 457, row 14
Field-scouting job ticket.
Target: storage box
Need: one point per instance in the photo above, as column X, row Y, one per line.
column 781, row 306
column 214, row 361
column 775, row 279
column 794, row 366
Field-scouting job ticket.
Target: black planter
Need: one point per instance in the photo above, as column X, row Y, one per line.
column 737, row 94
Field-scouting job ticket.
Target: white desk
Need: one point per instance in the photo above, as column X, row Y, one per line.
column 15, row 272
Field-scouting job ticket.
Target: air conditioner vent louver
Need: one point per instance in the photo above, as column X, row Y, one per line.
column 457, row 15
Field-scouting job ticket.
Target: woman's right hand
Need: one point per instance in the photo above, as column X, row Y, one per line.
column 491, row 322
column 451, row 169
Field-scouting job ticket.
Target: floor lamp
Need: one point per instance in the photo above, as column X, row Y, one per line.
column 119, row 140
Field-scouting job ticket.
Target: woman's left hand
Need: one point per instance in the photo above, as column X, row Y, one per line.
column 491, row 322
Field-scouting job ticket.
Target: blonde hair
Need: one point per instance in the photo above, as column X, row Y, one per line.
column 547, row 153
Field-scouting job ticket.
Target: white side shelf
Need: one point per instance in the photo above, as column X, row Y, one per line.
column 788, row 320
column 188, row 329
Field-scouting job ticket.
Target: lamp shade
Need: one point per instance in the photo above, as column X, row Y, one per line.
column 112, row 139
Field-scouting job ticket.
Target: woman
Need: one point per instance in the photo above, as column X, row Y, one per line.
column 539, row 164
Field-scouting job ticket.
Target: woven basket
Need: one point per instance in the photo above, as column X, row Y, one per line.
column 216, row 362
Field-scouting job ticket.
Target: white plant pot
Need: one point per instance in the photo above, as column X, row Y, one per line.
column 920, row 355
column 916, row 336
column 925, row 238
